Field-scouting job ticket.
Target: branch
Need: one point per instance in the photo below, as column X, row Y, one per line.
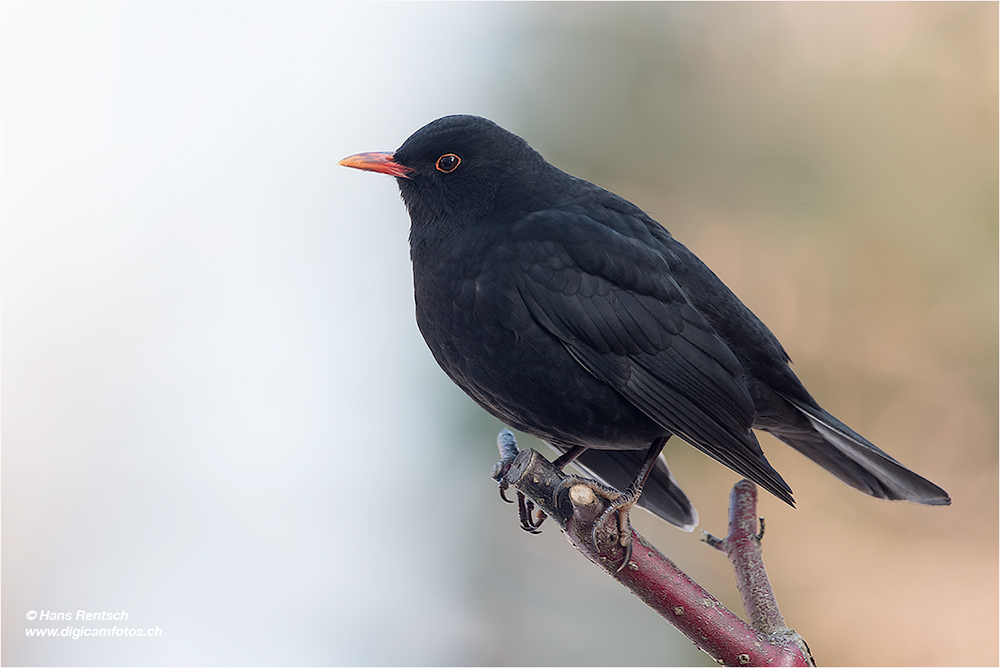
column 742, row 546
column 652, row 577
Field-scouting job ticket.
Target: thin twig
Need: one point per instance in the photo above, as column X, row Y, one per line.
column 743, row 548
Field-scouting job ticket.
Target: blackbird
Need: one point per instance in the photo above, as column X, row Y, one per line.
column 568, row 313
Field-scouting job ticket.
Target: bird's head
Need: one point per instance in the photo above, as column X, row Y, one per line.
column 460, row 168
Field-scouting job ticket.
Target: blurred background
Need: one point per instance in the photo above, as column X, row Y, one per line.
column 219, row 416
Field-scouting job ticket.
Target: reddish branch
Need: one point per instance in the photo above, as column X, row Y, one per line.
column 715, row 629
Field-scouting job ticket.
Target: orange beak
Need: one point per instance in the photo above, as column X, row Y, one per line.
column 377, row 162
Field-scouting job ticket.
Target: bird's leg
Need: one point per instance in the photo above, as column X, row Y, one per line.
column 568, row 457
column 624, row 502
column 618, row 501
column 507, row 445
column 606, row 492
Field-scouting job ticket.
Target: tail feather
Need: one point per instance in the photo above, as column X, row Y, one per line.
column 857, row 461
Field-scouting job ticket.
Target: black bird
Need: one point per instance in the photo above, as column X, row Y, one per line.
column 570, row 314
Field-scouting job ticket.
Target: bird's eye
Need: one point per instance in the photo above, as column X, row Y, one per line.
column 447, row 163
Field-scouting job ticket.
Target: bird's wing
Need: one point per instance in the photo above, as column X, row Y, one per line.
column 612, row 302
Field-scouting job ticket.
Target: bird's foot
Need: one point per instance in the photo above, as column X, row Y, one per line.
column 525, row 506
column 618, row 502
column 622, row 505
column 599, row 488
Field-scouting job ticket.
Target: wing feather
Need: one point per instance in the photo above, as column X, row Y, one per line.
column 631, row 326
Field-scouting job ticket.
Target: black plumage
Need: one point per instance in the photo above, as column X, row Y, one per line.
column 568, row 313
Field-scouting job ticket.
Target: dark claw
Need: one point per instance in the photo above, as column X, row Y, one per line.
column 539, row 516
column 524, row 509
column 503, row 488
column 628, row 555
column 760, row 536
column 559, row 488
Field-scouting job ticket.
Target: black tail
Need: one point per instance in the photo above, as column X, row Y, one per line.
column 852, row 458
column 660, row 495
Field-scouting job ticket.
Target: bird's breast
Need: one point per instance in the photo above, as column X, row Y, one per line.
column 468, row 307
column 482, row 334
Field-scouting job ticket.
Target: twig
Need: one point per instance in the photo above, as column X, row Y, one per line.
column 652, row 577
column 742, row 546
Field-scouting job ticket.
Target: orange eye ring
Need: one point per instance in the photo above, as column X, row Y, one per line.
column 448, row 163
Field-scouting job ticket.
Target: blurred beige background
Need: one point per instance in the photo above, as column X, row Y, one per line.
column 837, row 166
column 219, row 415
